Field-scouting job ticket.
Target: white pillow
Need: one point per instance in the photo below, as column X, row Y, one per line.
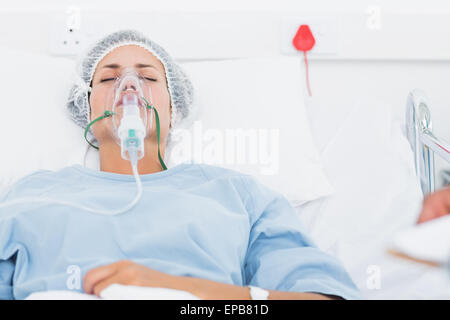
column 35, row 128
column 250, row 117
column 371, row 165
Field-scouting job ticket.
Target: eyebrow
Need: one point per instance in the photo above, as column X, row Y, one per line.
column 137, row 65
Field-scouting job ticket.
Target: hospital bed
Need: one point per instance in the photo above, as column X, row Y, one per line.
column 387, row 205
column 423, row 142
column 379, row 162
column 361, row 243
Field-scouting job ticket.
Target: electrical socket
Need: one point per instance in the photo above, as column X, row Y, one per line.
column 66, row 40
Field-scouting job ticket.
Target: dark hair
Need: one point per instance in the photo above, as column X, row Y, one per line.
column 89, row 97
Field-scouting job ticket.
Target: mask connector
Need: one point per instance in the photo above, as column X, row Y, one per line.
column 131, row 130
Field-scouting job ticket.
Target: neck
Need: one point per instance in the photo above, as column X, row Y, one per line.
column 112, row 161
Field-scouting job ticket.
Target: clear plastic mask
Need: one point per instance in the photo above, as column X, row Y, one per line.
column 129, row 92
column 127, row 97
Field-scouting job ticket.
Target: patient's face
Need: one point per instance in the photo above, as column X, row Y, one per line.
column 110, row 67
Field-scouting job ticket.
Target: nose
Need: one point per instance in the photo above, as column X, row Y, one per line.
column 130, row 85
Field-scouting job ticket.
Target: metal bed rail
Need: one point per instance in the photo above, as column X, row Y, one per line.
column 423, row 142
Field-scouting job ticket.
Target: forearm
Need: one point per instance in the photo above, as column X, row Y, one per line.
column 212, row 290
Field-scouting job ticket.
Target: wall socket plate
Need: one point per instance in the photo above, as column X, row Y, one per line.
column 65, row 40
column 324, row 29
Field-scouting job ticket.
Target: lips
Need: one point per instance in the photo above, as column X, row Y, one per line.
column 130, row 97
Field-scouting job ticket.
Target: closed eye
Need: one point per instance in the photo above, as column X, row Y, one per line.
column 107, row 79
column 110, row 79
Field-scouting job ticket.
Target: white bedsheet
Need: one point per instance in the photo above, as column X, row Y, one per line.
column 116, row 292
column 368, row 161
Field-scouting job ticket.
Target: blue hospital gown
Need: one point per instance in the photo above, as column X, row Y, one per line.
column 192, row 220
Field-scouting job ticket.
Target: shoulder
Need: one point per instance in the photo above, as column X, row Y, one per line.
column 216, row 173
column 211, row 172
column 256, row 194
column 35, row 181
column 48, row 176
column 250, row 182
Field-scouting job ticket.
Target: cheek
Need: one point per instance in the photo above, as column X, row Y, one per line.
column 161, row 100
column 97, row 102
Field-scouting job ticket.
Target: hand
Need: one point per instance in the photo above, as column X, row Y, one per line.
column 435, row 205
column 127, row 273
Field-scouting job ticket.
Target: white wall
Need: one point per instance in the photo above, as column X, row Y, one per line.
column 404, row 6
column 411, row 50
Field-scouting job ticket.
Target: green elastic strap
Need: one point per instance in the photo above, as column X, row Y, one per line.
column 106, row 114
column 150, row 107
column 109, row 113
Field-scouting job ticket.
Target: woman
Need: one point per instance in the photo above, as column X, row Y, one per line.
column 202, row 229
